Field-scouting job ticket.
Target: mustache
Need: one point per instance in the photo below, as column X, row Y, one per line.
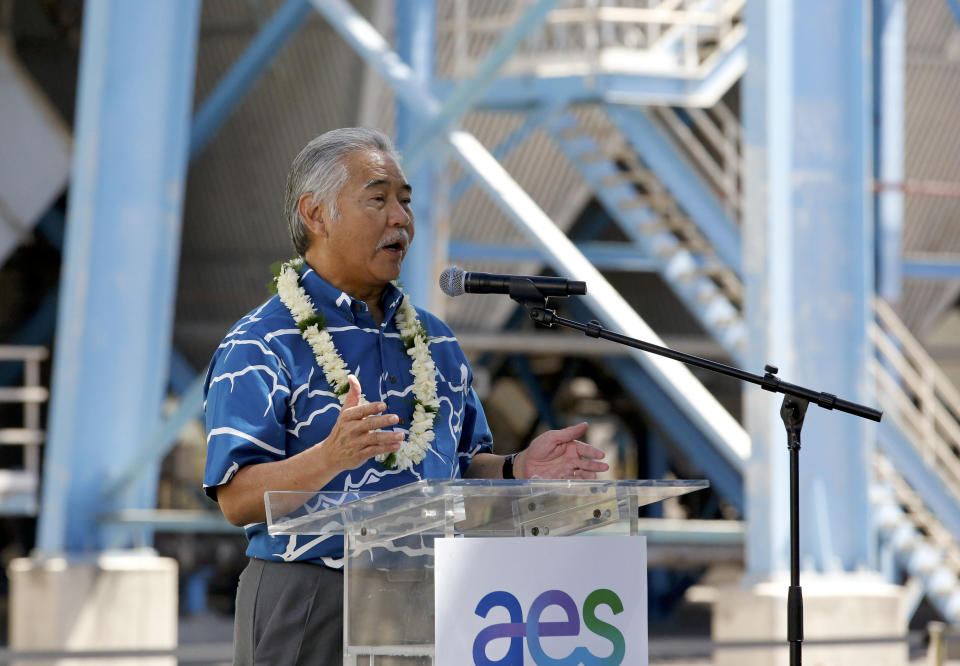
column 400, row 236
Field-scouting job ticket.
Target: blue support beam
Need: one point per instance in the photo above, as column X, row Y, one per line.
column 606, row 255
column 523, row 92
column 809, row 272
column 931, row 266
column 921, row 476
column 469, row 91
column 235, row 84
column 414, row 31
column 535, row 119
column 954, row 6
column 150, row 452
column 890, row 27
column 660, row 154
column 115, row 314
column 680, row 267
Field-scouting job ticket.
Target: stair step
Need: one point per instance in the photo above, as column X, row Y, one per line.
column 23, row 436
column 35, row 394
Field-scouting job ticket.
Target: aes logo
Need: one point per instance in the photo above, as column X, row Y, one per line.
column 520, row 601
column 535, row 629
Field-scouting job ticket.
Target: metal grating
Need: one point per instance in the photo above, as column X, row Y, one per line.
column 932, row 153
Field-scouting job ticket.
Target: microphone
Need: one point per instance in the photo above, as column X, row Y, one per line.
column 455, row 281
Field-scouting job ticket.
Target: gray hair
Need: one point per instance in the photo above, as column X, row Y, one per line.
column 320, row 170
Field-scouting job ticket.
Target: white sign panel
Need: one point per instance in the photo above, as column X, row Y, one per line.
column 546, row 601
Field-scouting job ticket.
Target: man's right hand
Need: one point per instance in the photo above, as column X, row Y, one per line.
column 354, row 438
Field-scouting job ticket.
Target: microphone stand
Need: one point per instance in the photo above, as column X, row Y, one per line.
column 792, row 411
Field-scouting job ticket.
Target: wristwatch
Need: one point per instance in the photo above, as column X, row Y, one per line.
column 508, row 466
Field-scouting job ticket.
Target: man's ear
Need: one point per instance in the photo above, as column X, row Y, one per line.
column 313, row 214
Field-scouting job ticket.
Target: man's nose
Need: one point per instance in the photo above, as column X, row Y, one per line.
column 399, row 216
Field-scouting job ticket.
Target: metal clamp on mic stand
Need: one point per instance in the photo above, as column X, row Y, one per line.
column 792, row 412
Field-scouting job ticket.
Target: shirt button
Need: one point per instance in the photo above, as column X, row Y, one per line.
column 357, row 306
column 393, row 379
column 402, row 421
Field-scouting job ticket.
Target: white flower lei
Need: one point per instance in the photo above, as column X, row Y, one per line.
column 415, row 339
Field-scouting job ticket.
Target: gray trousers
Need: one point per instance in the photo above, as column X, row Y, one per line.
column 288, row 613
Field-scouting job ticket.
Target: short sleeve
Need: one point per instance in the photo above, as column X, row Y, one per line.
column 246, row 401
column 475, row 437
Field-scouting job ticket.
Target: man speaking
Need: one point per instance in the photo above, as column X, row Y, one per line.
column 340, row 383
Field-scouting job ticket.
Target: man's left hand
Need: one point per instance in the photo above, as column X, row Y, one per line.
column 558, row 454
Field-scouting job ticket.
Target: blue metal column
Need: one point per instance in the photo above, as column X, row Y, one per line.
column 415, row 44
column 115, row 317
column 890, row 41
column 809, row 270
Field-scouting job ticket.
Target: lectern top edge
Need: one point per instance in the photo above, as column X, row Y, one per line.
column 301, row 512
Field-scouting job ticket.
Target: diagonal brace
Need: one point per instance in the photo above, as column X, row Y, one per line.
column 469, row 91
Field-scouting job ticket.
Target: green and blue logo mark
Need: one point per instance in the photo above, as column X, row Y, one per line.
column 533, row 629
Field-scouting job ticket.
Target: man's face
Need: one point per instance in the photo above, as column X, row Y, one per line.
column 368, row 241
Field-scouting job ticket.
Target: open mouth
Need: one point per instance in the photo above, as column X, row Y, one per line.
column 396, row 248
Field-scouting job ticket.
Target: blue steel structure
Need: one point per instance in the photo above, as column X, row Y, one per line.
column 679, row 266
column 523, row 92
column 414, row 37
column 809, row 270
column 890, row 19
column 117, row 288
column 807, row 252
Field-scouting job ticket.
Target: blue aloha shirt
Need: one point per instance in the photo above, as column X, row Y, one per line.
column 266, row 399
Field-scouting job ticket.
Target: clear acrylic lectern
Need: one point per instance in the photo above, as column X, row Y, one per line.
column 388, row 539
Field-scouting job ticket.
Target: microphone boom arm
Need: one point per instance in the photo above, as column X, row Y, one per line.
column 536, row 307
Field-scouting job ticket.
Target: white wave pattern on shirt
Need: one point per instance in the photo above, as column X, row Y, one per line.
column 303, row 387
column 243, row 435
column 341, row 329
column 310, row 394
column 458, row 388
column 293, row 551
column 397, row 394
column 370, row 475
column 302, row 424
column 377, row 331
column 249, row 319
column 472, row 452
column 281, row 331
column 277, row 386
column 256, row 343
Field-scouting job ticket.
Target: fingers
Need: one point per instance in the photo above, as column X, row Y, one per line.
column 572, row 432
column 361, row 411
column 587, row 465
column 377, row 422
column 587, row 451
column 383, row 441
column 353, row 395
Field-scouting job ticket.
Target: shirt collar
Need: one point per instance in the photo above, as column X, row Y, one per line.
column 324, row 294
